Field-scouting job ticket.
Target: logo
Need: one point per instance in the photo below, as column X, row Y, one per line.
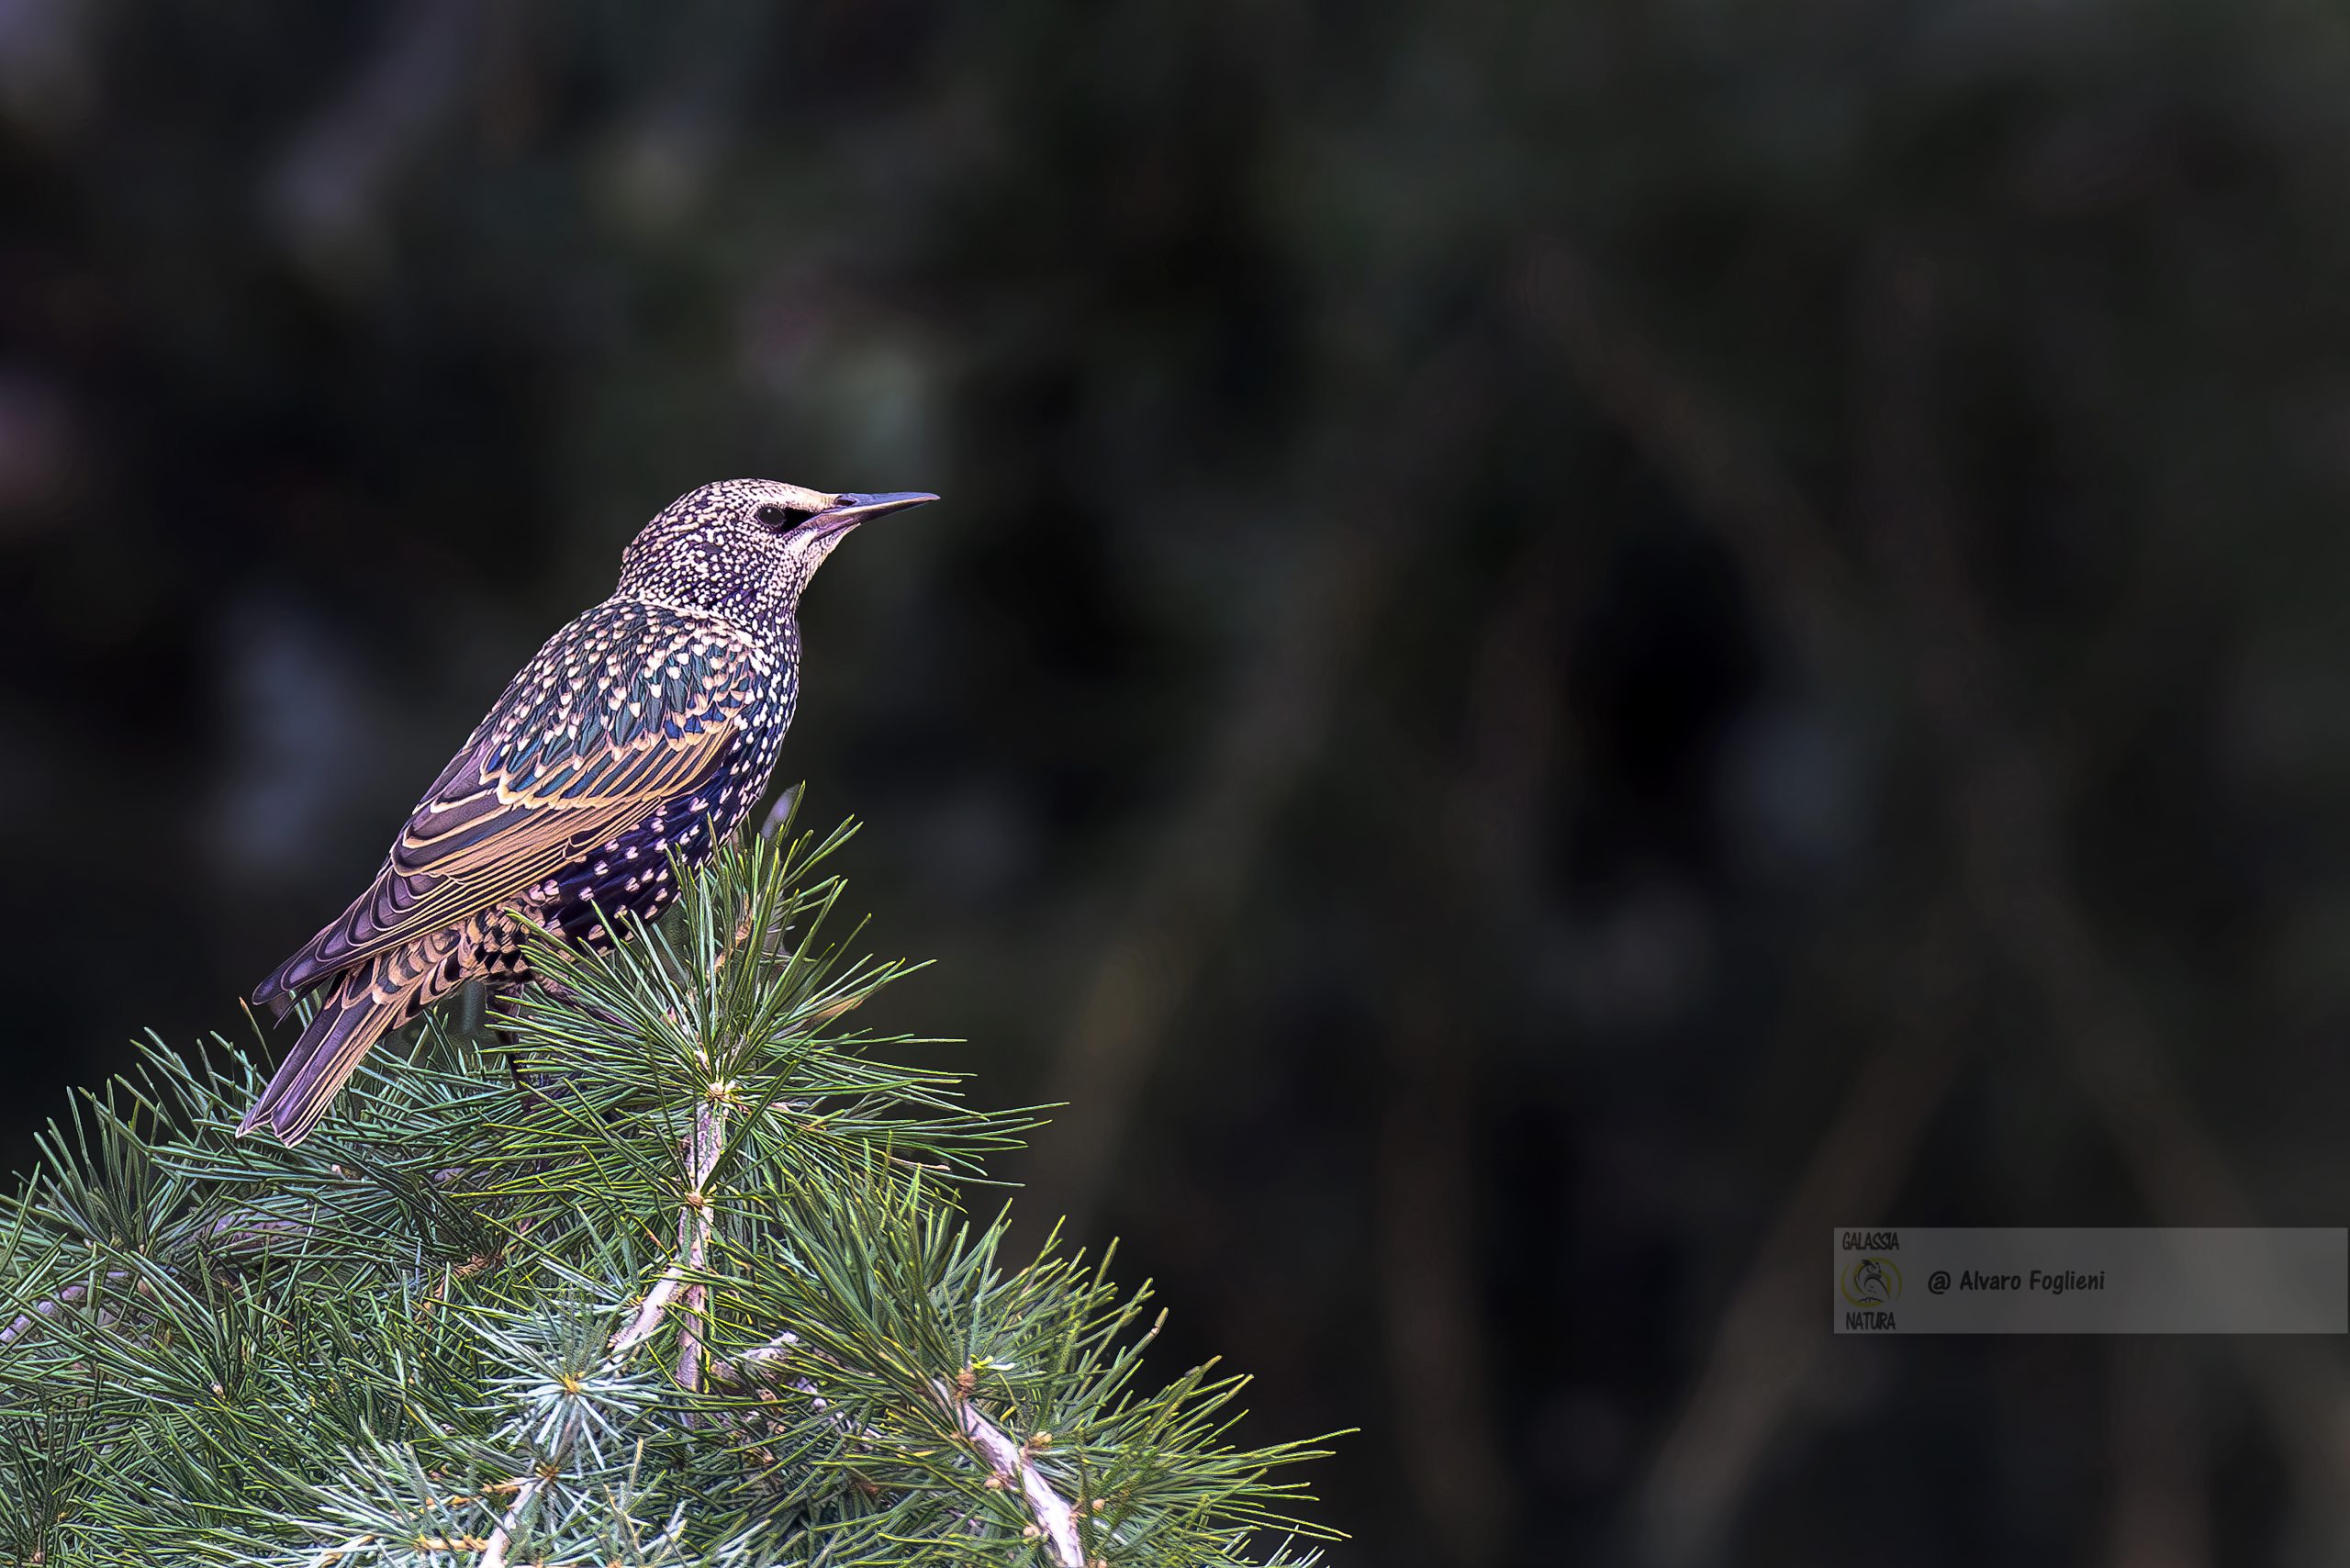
column 1872, row 1282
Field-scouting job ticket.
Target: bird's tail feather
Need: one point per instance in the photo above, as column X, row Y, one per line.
column 351, row 1017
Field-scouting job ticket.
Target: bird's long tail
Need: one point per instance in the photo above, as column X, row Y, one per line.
column 353, row 1015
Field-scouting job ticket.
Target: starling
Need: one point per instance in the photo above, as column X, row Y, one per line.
column 636, row 741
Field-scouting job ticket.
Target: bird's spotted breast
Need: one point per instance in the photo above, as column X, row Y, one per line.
column 634, row 873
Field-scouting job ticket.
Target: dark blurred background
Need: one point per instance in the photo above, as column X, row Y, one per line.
column 1570, row 644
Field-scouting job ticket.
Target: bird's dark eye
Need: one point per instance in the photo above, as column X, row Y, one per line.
column 780, row 519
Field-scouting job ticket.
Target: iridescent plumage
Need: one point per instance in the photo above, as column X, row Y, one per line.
column 641, row 736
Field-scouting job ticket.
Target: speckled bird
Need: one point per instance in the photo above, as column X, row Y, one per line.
column 637, row 740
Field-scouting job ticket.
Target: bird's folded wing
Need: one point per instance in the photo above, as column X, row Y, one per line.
column 527, row 797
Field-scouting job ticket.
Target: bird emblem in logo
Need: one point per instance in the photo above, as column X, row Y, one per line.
column 1873, row 1282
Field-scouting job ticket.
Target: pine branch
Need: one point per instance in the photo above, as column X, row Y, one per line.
column 694, row 1222
column 426, row 1336
column 1055, row 1519
column 695, row 1219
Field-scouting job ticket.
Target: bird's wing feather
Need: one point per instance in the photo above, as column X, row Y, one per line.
column 561, row 764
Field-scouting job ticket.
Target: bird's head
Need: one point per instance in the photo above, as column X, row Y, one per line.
column 745, row 547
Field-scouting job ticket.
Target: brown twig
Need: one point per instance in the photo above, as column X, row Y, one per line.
column 695, row 1219
column 2162, row 1502
column 1007, row 1460
column 44, row 1311
column 1056, row 1520
column 708, row 1137
column 1473, row 868
column 1727, row 477
column 1769, row 1337
column 1437, row 1364
column 1270, row 730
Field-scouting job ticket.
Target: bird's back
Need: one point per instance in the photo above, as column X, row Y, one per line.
column 639, row 738
column 629, row 704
